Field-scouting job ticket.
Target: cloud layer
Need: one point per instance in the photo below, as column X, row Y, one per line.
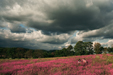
column 49, row 24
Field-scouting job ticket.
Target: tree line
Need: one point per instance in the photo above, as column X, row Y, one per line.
column 81, row 48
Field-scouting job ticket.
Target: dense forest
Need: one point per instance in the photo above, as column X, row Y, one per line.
column 81, row 48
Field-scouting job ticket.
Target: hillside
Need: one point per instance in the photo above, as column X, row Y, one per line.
column 101, row 64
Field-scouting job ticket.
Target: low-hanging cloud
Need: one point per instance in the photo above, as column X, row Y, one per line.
column 33, row 40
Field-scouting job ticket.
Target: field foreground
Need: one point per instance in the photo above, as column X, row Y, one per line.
column 101, row 64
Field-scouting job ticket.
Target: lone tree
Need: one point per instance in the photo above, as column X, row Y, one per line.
column 97, row 48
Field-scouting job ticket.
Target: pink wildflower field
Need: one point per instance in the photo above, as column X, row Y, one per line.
column 101, row 64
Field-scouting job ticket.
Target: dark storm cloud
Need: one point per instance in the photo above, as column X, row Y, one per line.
column 105, row 32
column 54, row 21
column 92, row 35
column 12, row 18
column 76, row 17
column 27, row 44
column 58, row 16
column 10, row 43
column 55, row 41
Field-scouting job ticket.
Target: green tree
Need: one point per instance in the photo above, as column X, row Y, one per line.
column 63, row 52
column 97, row 47
column 29, row 54
column 10, row 53
column 83, row 48
column 101, row 49
column 1, row 52
column 38, row 54
column 80, row 48
column 110, row 49
column 70, row 47
column 89, row 47
column 19, row 53
column 105, row 50
column 58, row 53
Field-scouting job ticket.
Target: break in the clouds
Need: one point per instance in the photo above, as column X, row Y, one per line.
column 49, row 24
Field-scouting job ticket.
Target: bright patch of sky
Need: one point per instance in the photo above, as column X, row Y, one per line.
column 101, row 40
column 23, row 26
column 28, row 29
column 4, row 28
column 69, row 40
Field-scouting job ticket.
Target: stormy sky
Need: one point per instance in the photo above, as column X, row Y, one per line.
column 54, row 24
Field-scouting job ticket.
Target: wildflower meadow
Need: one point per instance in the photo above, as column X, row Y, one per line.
column 100, row 64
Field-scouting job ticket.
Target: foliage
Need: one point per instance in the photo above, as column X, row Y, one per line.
column 29, row 54
column 105, row 50
column 70, row 47
column 24, row 53
column 83, row 48
column 97, row 48
column 64, row 52
column 110, row 49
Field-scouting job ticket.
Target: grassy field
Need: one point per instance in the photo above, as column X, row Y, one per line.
column 101, row 64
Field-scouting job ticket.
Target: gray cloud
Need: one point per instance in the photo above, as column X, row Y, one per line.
column 34, row 40
column 105, row 32
column 59, row 16
column 92, row 35
column 54, row 22
column 75, row 15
